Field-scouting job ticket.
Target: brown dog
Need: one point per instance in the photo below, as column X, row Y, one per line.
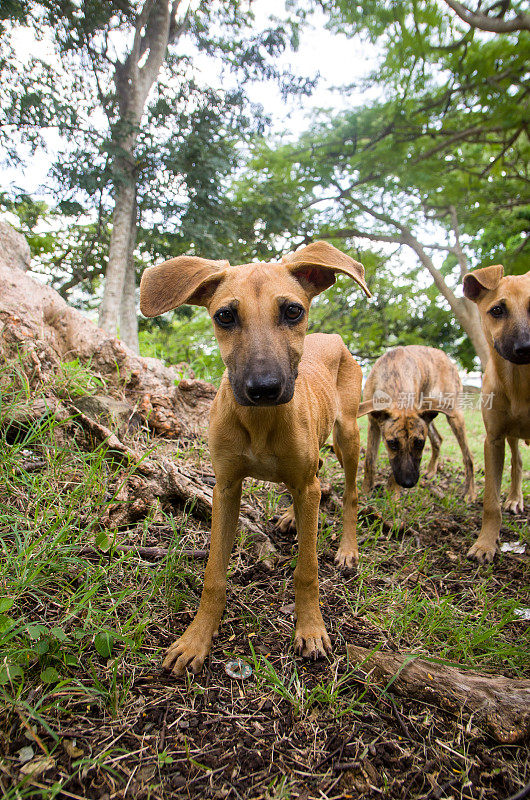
column 279, row 399
column 504, row 306
column 406, row 389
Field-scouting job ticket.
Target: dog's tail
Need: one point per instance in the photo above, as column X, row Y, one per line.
column 365, row 408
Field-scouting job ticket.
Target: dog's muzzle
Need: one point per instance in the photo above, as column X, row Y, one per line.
column 267, row 389
column 264, row 390
column 517, row 352
column 406, row 474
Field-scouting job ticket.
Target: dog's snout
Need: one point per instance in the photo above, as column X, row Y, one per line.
column 264, row 388
column 406, row 472
column 522, row 349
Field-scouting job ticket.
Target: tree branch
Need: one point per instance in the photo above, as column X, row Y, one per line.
column 461, row 256
column 492, row 24
column 464, row 310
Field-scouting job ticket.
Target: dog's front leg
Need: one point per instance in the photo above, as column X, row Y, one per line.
column 372, row 446
column 486, row 545
column 194, row 644
column 456, row 423
column 311, row 638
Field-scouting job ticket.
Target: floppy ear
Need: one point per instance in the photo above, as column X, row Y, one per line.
column 185, row 279
column 429, row 414
column 316, row 266
column 366, row 407
column 482, row 280
column 380, row 414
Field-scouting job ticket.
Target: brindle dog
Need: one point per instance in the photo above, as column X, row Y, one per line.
column 406, row 389
column 504, row 306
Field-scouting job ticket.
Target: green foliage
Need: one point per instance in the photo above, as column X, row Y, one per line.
column 438, row 162
column 190, row 141
column 401, row 312
column 184, row 335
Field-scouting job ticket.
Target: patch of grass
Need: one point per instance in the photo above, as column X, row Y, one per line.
column 82, row 636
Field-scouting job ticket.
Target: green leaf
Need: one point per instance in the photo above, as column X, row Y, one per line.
column 49, row 675
column 102, row 541
column 6, row 623
column 103, row 643
column 42, row 647
column 59, row 634
column 5, row 604
column 36, row 631
column 10, row 673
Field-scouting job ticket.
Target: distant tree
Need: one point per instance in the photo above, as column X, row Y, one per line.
column 144, row 138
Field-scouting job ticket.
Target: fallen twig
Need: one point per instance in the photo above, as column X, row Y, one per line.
column 149, row 553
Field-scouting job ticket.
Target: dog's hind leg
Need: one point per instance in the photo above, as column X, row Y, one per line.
column 436, row 441
column 347, row 439
column 286, row 522
column 514, row 502
column 456, row 423
column 311, row 638
column 347, row 443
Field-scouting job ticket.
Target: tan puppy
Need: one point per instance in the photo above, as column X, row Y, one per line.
column 279, row 399
column 406, row 389
column 504, row 305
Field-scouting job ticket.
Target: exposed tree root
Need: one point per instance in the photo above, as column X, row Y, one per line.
column 39, row 333
column 503, row 704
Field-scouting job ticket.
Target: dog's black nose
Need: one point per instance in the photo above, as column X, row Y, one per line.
column 263, row 389
column 522, row 349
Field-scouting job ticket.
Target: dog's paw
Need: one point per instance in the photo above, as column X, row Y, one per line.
column 482, row 551
column 188, row 652
column 347, row 558
column 312, row 641
column 286, row 523
column 515, row 505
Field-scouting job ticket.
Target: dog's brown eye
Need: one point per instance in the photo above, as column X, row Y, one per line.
column 224, row 317
column 393, row 444
column 497, row 311
column 293, row 312
column 418, row 442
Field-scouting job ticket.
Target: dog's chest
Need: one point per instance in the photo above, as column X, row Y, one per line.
column 261, row 464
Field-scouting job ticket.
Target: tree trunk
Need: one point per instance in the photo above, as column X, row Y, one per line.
column 473, row 328
column 118, row 254
column 133, row 84
column 128, row 314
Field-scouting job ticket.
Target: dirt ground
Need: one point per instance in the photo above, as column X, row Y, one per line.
column 112, row 725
